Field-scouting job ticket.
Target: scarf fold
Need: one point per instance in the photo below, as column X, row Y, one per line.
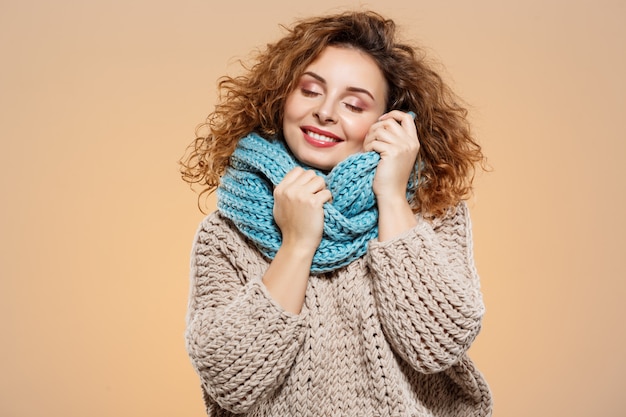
column 245, row 196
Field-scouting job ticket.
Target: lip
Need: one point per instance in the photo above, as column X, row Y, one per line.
column 318, row 142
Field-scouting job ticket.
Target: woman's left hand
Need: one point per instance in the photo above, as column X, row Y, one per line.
column 394, row 137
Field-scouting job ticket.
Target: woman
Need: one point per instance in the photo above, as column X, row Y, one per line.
column 336, row 277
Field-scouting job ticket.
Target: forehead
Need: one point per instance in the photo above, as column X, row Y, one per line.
column 350, row 66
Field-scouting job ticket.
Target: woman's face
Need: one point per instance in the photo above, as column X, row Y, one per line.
column 338, row 97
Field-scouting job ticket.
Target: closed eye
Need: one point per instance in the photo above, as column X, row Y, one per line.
column 352, row 108
column 309, row 93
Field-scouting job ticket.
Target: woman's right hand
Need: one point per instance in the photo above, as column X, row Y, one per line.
column 299, row 209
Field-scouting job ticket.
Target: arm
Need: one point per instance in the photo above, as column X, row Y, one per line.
column 299, row 213
column 427, row 290
column 394, row 137
column 240, row 341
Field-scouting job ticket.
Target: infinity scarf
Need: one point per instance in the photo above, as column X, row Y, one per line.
column 245, row 196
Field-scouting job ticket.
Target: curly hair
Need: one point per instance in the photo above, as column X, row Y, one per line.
column 255, row 101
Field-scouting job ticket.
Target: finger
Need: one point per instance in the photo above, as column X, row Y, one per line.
column 323, row 196
column 368, row 142
column 382, row 135
column 291, row 176
column 376, row 133
column 403, row 118
column 299, row 176
column 388, row 131
column 313, row 183
column 301, row 181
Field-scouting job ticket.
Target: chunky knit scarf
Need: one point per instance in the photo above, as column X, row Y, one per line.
column 245, row 196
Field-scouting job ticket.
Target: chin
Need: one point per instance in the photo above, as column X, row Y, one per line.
column 324, row 167
column 321, row 167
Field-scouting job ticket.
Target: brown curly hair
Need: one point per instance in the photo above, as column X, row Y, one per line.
column 255, row 101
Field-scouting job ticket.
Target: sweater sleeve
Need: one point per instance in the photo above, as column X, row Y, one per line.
column 428, row 291
column 241, row 343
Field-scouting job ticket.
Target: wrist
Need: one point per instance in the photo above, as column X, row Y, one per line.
column 297, row 251
column 395, row 217
column 392, row 201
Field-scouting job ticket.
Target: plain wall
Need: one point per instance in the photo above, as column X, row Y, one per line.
column 98, row 100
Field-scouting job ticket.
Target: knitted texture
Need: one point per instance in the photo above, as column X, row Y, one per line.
column 385, row 336
column 245, row 196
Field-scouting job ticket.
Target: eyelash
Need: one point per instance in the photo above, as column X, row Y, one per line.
column 309, row 93
column 353, row 108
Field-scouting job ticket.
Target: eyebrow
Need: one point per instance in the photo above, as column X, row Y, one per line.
column 352, row 89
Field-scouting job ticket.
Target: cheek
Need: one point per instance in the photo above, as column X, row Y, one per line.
column 287, row 108
column 294, row 107
column 358, row 127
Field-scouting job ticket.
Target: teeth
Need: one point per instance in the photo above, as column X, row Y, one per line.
column 321, row 137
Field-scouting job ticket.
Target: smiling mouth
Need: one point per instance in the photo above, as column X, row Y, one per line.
column 321, row 138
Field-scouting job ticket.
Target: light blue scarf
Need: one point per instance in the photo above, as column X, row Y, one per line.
column 245, row 196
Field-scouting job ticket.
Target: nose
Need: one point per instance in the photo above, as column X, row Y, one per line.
column 325, row 113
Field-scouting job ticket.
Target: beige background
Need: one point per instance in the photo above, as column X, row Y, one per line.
column 98, row 100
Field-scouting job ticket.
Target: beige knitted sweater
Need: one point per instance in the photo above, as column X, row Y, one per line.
column 385, row 336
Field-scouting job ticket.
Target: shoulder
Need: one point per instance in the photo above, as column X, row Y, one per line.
column 217, row 229
column 214, row 226
column 215, row 220
column 454, row 220
column 217, row 236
